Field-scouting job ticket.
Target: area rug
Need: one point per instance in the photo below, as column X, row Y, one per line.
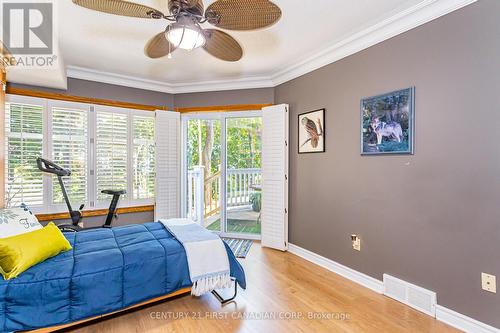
column 240, row 247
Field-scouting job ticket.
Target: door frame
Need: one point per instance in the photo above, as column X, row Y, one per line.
column 222, row 117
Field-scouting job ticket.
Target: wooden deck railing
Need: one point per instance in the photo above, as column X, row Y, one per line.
column 212, row 195
column 239, row 185
column 204, row 194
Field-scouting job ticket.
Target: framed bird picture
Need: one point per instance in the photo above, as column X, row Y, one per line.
column 312, row 132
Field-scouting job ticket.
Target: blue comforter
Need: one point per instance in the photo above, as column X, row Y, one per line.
column 107, row 270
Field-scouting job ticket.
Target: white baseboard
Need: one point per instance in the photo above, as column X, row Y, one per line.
column 348, row 273
column 463, row 322
column 443, row 314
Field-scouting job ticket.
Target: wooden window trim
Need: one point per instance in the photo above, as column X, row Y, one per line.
column 95, row 212
column 80, row 99
column 223, row 108
column 127, row 105
column 3, row 82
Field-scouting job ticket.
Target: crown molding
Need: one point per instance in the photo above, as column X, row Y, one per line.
column 392, row 26
column 252, row 82
column 176, row 88
column 118, row 79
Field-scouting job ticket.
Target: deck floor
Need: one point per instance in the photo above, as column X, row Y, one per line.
column 241, row 220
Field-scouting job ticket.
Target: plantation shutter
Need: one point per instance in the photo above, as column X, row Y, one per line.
column 23, row 145
column 275, row 177
column 111, row 153
column 143, row 137
column 70, row 142
column 167, row 137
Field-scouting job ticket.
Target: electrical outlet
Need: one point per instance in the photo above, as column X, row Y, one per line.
column 356, row 242
column 489, row 282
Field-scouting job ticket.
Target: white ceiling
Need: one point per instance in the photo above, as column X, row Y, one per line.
column 111, row 48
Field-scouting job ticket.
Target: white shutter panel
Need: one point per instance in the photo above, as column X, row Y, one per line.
column 111, row 153
column 167, row 137
column 23, row 144
column 143, row 136
column 275, row 177
column 69, row 142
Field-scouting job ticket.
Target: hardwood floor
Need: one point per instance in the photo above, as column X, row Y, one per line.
column 283, row 286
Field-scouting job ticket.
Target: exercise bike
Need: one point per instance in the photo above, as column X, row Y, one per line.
column 76, row 215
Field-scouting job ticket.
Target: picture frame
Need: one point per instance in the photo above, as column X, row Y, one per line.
column 388, row 123
column 311, row 132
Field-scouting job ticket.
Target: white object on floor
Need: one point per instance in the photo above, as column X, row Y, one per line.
column 206, row 255
column 16, row 221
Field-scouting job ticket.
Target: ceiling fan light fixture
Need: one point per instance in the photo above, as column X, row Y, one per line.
column 187, row 37
column 185, row 31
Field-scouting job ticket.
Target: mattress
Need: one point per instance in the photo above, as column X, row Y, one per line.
column 107, row 270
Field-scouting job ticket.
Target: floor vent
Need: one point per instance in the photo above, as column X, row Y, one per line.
column 418, row 298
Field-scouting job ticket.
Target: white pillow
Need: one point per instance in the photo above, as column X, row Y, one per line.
column 16, row 221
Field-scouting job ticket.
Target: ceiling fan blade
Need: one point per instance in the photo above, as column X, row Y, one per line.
column 158, row 46
column 193, row 6
column 242, row 14
column 222, row 46
column 120, row 7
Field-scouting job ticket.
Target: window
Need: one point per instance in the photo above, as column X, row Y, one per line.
column 111, row 152
column 105, row 148
column 24, row 143
column 222, row 171
column 70, row 151
column 144, row 157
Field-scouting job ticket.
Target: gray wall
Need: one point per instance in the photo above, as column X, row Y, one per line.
column 77, row 87
column 230, row 97
column 432, row 219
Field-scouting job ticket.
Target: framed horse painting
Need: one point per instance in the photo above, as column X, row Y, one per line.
column 311, row 129
column 387, row 123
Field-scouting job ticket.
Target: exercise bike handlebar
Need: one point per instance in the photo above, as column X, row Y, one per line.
column 50, row 167
column 76, row 215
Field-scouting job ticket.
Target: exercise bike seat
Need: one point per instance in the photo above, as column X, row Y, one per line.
column 112, row 192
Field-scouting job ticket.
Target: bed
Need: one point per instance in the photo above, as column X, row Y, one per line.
column 107, row 270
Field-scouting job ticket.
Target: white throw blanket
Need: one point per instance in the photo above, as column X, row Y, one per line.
column 206, row 255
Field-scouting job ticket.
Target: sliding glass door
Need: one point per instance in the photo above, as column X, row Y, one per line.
column 243, row 175
column 222, row 172
column 203, row 171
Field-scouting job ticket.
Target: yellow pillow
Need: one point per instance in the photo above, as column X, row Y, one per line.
column 20, row 252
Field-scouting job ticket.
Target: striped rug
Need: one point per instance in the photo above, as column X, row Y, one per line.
column 240, row 247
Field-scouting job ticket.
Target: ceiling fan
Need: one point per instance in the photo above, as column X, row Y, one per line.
column 187, row 16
